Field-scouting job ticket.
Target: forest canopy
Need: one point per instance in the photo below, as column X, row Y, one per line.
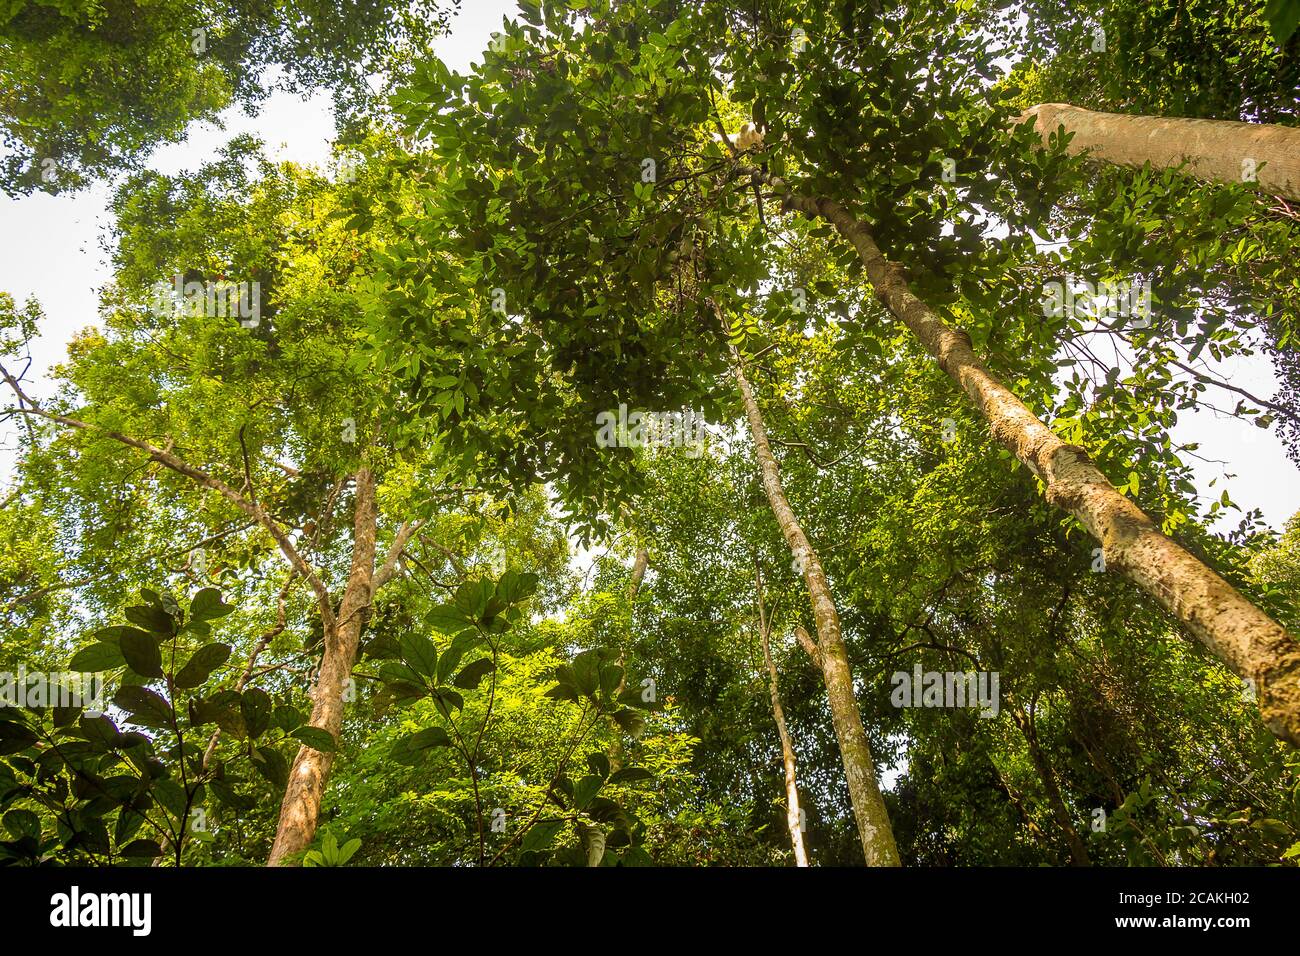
column 711, row 433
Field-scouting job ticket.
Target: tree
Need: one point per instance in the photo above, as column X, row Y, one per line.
column 91, row 86
column 1218, row 150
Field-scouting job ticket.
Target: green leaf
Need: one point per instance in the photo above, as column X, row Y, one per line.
column 286, row 718
column 144, row 706
column 23, row 823
column 207, row 605
column 412, row 748
column 462, row 643
column 270, row 763
column 473, row 673
column 151, row 618
column 586, row 672
column 631, row 721
column 172, row 797
column 448, row 619
column 540, row 835
column 562, row 692
column 472, row 597
column 635, row 856
column 201, row 665
column 142, row 654
column 514, row 588
column 418, row 651
column 255, row 706
column 610, row 677
column 585, row 789
column 348, row 850
column 315, row 738
column 598, row 763
column 97, row 657
column 1283, row 17
column 141, row 849
column 446, row 700
column 100, row 730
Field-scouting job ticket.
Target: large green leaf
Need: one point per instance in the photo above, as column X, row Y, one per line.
column 97, row 657
column 412, row 748
column 142, row 654
column 418, row 651
column 208, row 606
column 316, row 739
column 201, row 665
column 144, row 706
column 473, row 673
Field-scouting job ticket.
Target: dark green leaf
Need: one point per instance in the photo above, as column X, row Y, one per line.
column 200, row 666
column 142, row 654
column 207, row 605
column 473, row 673
column 315, row 738
column 144, row 706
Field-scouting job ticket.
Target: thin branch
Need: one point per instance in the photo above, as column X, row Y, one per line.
column 168, row 460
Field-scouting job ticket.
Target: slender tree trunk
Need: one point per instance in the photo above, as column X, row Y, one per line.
column 793, row 818
column 1222, row 151
column 1018, row 801
column 1052, row 790
column 868, row 806
column 615, row 751
column 1246, row 639
column 300, row 810
column 638, row 573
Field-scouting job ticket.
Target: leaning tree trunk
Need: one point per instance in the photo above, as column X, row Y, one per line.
column 1222, row 151
column 300, row 810
column 1246, row 639
column 793, row 818
column 855, row 750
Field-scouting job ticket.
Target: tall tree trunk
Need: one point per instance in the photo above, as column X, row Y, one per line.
column 793, row 818
column 638, row 574
column 300, row 810
column 639, row 565
column 868, row 806
column 1018, row 801
column 1052, row 789
column 1222, row 151
column 1241, row 635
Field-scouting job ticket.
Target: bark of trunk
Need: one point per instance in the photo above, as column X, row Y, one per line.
column 638, row 573
column 1052, row 790
column 1246, row 639
column 1018, row 801
column 615, row 751
column 1222, row 151
column 868, row 806
column 300, row 810
column 792, row 816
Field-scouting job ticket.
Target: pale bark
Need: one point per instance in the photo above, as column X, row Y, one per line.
column 639, row 565
column 638, row 573
column 808, row 644
column 1246, row 639
column 855, row 750
column 1222, row 151
column 793, row 818
column 300, row 810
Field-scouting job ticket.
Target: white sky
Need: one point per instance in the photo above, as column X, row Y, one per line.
column 50, row 250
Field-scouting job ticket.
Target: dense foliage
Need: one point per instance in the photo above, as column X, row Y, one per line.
column 385, row 413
